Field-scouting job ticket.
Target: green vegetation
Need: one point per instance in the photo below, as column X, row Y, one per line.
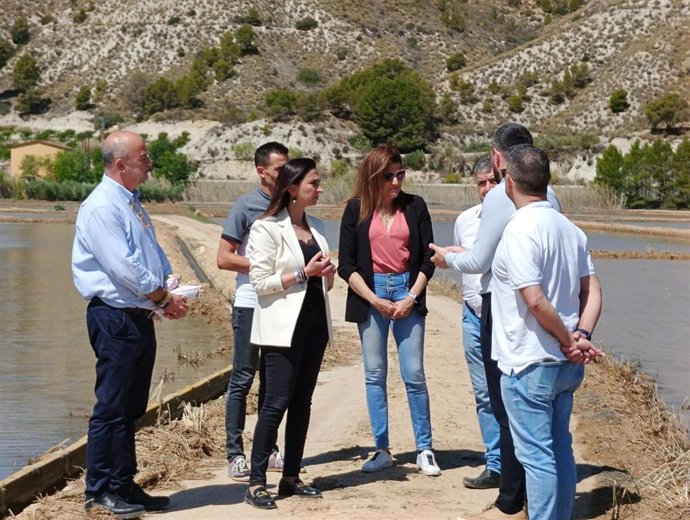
column 169, row 164
column 559, row 7
column 246, row 39
column 649, row 176
column 251, row 18
column 82, row 101
column 389, row 102
column 669, row 109
column 308, row 76
column 281, row 103
column 6, row 52
column 79, row 16
column 451, row 17
column 26, row 73
column 618, row 102
column 456, row 61
column 244, row 151
column 415, row 160
column 20, row 31
column 306, row 24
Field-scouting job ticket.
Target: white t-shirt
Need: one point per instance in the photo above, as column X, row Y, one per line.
column 465, row 232
column 540, row 246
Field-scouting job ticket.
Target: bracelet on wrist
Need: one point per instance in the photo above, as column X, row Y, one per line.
column 587, row 334
column 412, row 295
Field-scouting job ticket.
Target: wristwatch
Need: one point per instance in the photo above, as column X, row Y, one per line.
column 587, row 334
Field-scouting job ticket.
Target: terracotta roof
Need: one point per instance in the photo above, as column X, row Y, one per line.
column 46, row 143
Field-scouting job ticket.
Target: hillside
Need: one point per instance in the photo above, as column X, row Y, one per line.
column 641, row 46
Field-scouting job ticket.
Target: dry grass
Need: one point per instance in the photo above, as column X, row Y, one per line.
column 621, row 413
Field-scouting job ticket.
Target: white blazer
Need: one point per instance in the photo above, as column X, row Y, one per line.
column 275, row 250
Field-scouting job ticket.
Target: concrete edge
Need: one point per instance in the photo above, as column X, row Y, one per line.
column 51, row 473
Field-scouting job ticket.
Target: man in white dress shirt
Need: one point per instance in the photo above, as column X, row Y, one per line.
column 466, row 227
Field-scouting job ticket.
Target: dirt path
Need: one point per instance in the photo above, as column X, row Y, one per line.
column 339, row 435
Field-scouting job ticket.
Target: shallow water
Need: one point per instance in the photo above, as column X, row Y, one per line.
column 47, row 374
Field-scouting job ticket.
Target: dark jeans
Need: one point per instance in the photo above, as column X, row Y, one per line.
column 125, row 348
column 290, row 380
column 511, row 493
column 245, row 362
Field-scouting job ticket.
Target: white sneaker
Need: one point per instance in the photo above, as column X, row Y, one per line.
column 380, row 460
column 275, row 462
column 426, row 462
column 238, row 469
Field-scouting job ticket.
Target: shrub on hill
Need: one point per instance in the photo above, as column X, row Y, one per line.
column 308, row 76
column 26, row 73
column 389, row 102
column 246, row 39
column 20, row 31
column 6, row 52
column 456, row 61
column 669, row 109
column 82, row 100
column 251, row 18
column 306, row 24
column 618, row 102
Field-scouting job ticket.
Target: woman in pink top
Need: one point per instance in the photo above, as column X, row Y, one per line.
column 384, row 257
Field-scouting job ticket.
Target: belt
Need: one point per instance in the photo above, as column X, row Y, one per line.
column 136, row 311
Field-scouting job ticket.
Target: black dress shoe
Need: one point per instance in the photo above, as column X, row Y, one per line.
column 114, row 505
column 261, row 499
column 487, row 479
column 298, row 488
column 136, row 495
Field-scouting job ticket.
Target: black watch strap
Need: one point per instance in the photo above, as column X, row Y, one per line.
column 587, row 334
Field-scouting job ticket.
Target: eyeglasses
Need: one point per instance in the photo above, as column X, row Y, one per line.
column 400, row 175
column 141, row 214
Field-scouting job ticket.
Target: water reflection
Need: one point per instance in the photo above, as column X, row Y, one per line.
column 47, row 374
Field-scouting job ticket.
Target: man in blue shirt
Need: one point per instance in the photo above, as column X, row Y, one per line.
column 233, row 255
column 119, row 267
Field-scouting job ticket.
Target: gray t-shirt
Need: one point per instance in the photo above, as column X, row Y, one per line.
column 497, row 211
column 242, row 215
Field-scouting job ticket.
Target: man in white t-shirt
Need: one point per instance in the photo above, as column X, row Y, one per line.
column 269, row 158
column 465, row 232
column 544, row 308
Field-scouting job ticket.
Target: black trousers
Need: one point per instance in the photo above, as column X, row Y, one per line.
column 290, row 378
column 511, row 493
column 125, row 348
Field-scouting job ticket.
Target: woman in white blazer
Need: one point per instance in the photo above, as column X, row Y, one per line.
column 292, row 272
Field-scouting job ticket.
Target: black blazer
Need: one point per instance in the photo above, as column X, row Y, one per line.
column 354, row 252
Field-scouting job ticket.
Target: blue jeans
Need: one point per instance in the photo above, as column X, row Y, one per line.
column 244, row 365
column 409, row 338
column 488, row 426
column 539, row 401
column 125, row 348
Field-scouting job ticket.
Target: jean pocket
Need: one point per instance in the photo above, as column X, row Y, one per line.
column 112, row 322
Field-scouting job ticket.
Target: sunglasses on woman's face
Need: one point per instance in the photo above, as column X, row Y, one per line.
column 400, row 175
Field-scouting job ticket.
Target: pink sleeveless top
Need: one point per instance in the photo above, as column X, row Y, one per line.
column 389, row 249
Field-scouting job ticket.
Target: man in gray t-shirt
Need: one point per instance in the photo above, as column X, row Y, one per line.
column 233, row 256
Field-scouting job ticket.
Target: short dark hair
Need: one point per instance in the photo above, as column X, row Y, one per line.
column 263, row 153
column 529, row 168
column 292, row 172
column 483, row 165
column 509, row 135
